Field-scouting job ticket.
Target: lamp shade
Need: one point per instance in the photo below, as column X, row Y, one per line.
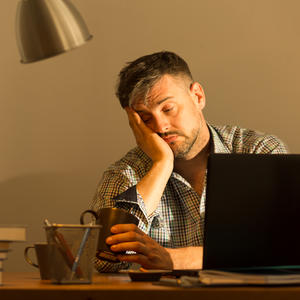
column 45, row 28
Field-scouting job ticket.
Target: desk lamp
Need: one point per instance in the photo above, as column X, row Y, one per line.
column 45, row 28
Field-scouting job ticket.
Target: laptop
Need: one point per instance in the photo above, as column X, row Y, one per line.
column 252, row 216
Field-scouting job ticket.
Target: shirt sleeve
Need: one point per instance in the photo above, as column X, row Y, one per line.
column 107, row 267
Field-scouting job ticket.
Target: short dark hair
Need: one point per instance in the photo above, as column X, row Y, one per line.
column 140, row 75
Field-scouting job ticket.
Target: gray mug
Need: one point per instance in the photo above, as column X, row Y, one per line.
column 42, row 256
column 107, row 217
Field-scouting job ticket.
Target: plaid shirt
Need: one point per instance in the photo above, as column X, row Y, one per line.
column 179, row 218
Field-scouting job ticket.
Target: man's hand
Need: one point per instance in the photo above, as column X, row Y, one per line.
column 148, row 140
column 149, row 254
column 152, row 185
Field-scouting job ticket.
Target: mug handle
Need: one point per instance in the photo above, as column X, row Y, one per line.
column 27, row 257
column 89, row 211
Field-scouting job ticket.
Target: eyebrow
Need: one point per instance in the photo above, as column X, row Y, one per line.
column 158, row 103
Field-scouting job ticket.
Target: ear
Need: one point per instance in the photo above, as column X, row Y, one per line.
column 198, row 94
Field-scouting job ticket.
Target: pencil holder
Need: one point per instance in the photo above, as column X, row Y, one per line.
column 72, row 250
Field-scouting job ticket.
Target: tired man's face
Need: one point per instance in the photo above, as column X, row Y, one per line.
column 173, row 109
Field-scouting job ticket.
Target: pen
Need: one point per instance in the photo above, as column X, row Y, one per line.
column 78, row 255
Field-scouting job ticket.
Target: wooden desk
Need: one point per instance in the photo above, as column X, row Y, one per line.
column 28, row 286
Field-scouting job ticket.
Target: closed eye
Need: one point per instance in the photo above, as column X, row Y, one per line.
column 145, row 119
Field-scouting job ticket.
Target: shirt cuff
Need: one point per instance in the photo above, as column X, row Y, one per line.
column 133, row 196
column 129, row 195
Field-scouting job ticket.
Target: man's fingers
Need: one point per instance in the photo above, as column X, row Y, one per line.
column 131, row 118
column 144, row 261
column 120, row 228
column 136, row 122
column 124, row 237
column 138, row 247
column 136, row 258
column 123, row 233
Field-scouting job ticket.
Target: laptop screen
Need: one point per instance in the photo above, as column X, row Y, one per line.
column 252, row 216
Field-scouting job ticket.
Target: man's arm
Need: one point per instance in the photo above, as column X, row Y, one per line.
column 186, row 258
column 152, row 185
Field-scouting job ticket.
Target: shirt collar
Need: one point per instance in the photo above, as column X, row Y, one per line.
column 217, row 144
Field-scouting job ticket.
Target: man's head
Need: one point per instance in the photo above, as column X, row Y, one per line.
column 138, row 77
column 160, row 88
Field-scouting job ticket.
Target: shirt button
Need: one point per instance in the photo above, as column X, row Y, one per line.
column 155, row 222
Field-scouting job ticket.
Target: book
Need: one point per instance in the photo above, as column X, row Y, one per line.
column 1, row 271
column 3, row 254
column 12, row 233
column 4, row 246
column 9, row 234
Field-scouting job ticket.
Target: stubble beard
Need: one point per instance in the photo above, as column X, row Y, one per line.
column 184, row 148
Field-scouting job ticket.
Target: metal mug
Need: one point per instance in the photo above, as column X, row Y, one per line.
column 107, row 217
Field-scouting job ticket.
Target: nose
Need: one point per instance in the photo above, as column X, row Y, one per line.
column 160, row 124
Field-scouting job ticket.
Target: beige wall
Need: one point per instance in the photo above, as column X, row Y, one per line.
column 61, row 125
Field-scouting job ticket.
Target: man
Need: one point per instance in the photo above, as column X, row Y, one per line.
column 162, row 181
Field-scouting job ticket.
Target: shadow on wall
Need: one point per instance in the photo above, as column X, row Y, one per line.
column 29, row 199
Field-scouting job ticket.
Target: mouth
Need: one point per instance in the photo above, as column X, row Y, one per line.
column 170, row 139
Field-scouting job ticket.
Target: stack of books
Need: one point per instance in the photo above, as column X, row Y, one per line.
column 9, row 234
